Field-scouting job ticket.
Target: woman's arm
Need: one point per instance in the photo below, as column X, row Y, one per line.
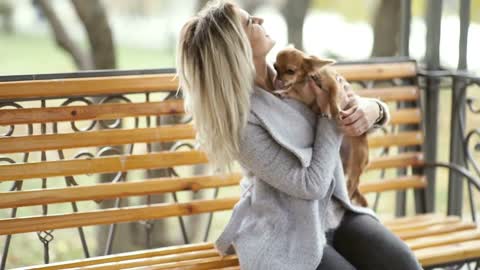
column 280, row 168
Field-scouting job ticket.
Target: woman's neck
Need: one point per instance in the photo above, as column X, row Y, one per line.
column 264, row 75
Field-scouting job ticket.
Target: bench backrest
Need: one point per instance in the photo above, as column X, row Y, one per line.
column 60, row 141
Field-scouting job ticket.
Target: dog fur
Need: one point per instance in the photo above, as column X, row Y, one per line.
column 294, row 68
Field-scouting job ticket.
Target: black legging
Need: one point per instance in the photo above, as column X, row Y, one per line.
column 361, row 242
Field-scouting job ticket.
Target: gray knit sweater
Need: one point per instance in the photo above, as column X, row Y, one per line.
column 292, row 168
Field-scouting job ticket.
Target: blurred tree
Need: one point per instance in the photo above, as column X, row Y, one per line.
column 6, row 14
column 386, row 28
column 92, row 14
column 294, row 13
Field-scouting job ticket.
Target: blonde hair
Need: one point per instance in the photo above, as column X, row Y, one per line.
column 216, row 73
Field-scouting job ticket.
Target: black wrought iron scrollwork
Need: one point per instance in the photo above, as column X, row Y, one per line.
column 470, row 160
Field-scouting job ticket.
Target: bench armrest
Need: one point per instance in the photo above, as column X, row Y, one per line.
column 464, row 172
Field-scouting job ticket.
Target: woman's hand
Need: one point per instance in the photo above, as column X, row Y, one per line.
column 322, row 97
column 359, row 114
column 358, row 119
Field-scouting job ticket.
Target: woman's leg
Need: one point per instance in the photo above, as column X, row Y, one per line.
column 369, row 245
column 332, row 260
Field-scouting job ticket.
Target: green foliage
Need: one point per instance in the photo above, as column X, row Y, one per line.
column 475, row 11
column 364, row 10
column 358, row 10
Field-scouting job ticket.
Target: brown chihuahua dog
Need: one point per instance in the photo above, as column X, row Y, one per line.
column 294, row 68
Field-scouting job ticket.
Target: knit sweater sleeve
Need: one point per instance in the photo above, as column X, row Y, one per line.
column 262, row 155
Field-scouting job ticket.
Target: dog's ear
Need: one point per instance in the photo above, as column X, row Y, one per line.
column 313, row 62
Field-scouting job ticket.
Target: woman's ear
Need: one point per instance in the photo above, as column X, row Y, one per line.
column 313, row 62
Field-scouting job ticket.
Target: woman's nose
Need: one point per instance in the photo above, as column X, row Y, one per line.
column 259, row 20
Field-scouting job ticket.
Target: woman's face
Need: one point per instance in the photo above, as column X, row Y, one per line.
column 260, row 42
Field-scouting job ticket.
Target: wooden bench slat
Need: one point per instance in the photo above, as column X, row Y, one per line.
column 405, row 182
column 197, row 264
column 113, row 215
column 101, row 165
column 436, row 229
column 115, row 190
column 87, row 86
column 121, row 110
column 126, row 256
column 405, row 138
column 91, row 112
column 408, row 219
column 405, row 116
column 167, row 82
column 166, row 133
column 443, row 239
column 421, row 220
column 448, row 253
column 397, row 93
column 387, row 71
column 160, row 260
column 425, row 224
column 401, row 160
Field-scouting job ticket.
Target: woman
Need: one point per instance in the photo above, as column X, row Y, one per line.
column 294, row 191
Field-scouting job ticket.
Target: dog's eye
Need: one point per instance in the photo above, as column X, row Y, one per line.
column 290, row 71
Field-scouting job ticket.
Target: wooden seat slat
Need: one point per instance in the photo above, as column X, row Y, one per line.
column 109, row 164
column 422, row 225
column 167, row 133
column 113, row 215
column 197, row 264
column 405, row 116
column 126, row 256
column 448, row 253
column 91, row 112
column 404, row 182
column 115, row 190
column 405, row 138
column 401, row 160
column 436, row 229
column 397, row 93
column 443, row 239
column 160, row 260
column 382, row 71
column 401, row 224
column 408, row 219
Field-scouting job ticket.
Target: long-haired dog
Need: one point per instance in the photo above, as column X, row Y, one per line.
column 294, row 68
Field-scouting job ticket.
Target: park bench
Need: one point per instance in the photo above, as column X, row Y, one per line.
column 39, row 144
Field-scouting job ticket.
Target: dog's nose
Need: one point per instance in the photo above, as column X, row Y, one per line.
column 278, row 84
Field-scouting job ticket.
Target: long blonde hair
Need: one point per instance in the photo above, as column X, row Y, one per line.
column 216, row 73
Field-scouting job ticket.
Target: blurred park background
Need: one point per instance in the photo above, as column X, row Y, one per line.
column 42, row 36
